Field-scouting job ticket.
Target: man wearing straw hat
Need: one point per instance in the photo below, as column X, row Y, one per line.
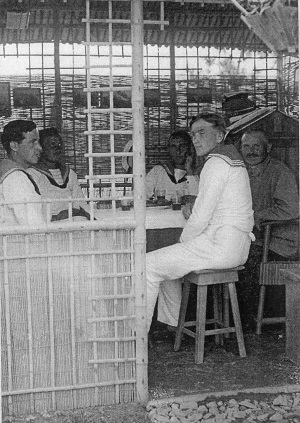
column 20, row 200
column 218, row 232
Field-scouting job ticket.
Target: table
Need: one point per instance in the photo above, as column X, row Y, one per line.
column 163, row 225
column 156, row 217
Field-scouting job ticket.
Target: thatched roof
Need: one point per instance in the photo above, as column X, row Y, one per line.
column 214, row 23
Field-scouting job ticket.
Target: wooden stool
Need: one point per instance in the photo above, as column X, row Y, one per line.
column 202, row 279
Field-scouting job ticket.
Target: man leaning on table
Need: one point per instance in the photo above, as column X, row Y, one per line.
column 218, row 232
column 20, row 200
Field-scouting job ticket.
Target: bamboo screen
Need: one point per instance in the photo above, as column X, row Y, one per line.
column 67, row 319
column 73, row 308
column 157, row 118
column 208, row 69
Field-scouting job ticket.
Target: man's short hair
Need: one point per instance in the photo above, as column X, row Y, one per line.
column 251, row 131
column 181, row 133
column 48, row 132
column 14, row 131
column 217, row 120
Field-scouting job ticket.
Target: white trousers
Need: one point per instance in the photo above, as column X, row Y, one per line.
column 219, row 247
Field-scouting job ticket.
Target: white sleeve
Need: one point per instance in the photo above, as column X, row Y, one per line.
column 77, row 191
column 75, row 186
column 212, row 181
column 153, row 178
column 193, row 183
column 17, row 188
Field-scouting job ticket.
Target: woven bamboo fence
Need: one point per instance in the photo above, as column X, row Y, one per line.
column 67, row 318
column 157, row 119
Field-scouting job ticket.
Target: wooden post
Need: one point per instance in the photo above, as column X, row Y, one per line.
column 139, row 199
column 292, row 299
column 57, row 94
column 173, row 108
column 280, row 103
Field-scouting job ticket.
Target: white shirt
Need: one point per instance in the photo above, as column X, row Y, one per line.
column 224, row 198
column 49, row 191
column 17, row 188
column 157, row 178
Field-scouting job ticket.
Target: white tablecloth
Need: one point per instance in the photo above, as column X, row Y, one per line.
column 156, row 218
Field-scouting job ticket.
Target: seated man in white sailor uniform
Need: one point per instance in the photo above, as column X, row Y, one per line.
column 20, row 199
column 56, row 180
column 179, row 173
column 218, row 233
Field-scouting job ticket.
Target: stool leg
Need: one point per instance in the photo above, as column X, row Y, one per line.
column 237, row 319
column 217, row 314
column 182, row 313
column 226, row 308
column 260, row 312
column 200, row 323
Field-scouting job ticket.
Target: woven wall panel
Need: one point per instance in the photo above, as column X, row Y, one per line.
column 67, row 319
column 157, row 119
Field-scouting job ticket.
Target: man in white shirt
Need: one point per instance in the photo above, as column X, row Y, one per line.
column 218, row 232
column 179, row 173
column 20, row 200
column 56, row 181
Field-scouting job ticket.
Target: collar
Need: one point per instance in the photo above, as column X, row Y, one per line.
column 228, row 153
column 170, row 170
column 41, row 167
column 259, row 168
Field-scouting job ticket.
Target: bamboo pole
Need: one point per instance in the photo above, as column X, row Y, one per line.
column 29, row 318
column 58, row 110
column 54, row 389
column 51, row 322
column 280, row 82
column 240, row 7
column 139, row 198
column 173, row 107
column 8, row 326
column 72, row 313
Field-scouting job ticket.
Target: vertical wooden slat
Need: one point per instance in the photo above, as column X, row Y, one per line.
column 116, row 344
column 51, row 319
column 72, row 312
column 57, row 94
column 29, row 319
column 280, row 82
column 173, row 106
column 139, row 198
column 8, row 324
column 89, row 102
column 111, row 114
column 94, row 309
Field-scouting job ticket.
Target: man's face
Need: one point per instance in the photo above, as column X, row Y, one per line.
column 29, row 150
column 205, row 137
column 179, row 150
column 53, row 149
column 254, row 148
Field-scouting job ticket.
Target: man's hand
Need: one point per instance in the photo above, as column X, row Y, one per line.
column 187, row 210
column 257, row 222
column 189, row 165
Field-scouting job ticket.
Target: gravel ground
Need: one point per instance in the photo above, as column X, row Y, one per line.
column 245, row 407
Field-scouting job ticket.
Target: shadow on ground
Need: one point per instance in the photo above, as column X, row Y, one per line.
column 173, row 374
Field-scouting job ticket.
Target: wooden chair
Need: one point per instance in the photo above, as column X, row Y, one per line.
column 226, row 279
column 270, row 274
